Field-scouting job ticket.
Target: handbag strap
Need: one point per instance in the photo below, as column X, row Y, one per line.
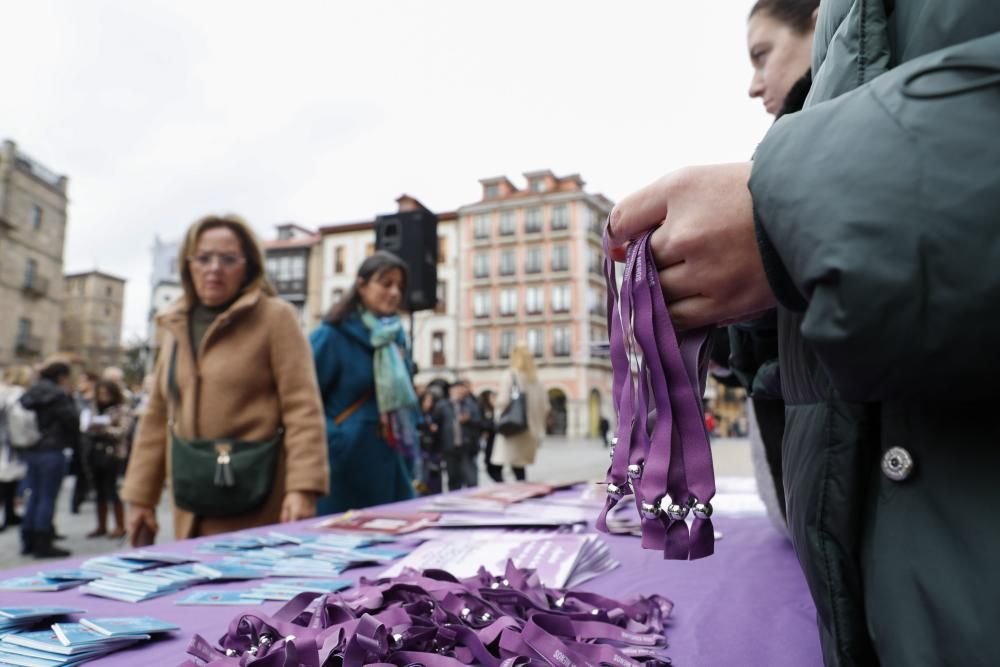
column 352, row 408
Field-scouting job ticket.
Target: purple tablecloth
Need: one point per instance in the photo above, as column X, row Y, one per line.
column 746, row 605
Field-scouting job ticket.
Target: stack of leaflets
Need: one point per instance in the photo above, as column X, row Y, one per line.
column 236, row 543
column 286, row 589
column 495, row 498
column 39, row 583
column 381, row 522
column 13, row 619
column 134, row 561
column 145, row 585
column 561, row 560
column 218, row 598
column 72, row 643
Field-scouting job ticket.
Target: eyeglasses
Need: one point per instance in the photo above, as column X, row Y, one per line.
column 204, row 261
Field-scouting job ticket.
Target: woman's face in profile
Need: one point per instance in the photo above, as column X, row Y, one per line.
column 779, row 55
column 218, row 266
column 383, row 292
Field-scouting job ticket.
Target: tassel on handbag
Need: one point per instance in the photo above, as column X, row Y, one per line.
column 223, row 470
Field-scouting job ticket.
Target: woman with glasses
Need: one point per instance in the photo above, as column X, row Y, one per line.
column 234, row 371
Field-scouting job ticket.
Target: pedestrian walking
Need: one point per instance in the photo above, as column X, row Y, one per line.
column 107, row 425
column 234, row 367
column 487, row 414
column 430, row 446
column 12, row 469
column 458, row 421
column 519, row 450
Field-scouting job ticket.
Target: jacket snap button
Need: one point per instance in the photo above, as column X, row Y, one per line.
column 897, row 464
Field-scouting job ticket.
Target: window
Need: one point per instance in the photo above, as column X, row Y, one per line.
column 442, row 250
column 30, row 269
column 536, row 341
column 508, row 302
column 36, row 216
column 481, row 226
column 442, row 297
column 507, row 265
column 481, row 265
column 271, row 266
column 23, row 331
column 284, row 267
column 338, row 259
column 534, row 300
column 560, row 216
column 437, row 349
column 481, row 304
column 595, row 261
column 595, row 301
column 297, row 267
column 508, row 225
column 560, row 341
column 336, row 296
column 560, row 258
column 481, row 345
column 506, row 344
column 533, row 220
column 594, row 222
column 107, row 312
column 492, row 191
column 533, row 260
column 109, row 290
column 560, row 299
column 537, row 185
column 370, row 249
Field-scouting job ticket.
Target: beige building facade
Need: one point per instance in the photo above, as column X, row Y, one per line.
column 92, row 318
column 531, row 269
column 32, row 236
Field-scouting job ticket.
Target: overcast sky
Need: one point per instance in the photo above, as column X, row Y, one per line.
column 322, row 112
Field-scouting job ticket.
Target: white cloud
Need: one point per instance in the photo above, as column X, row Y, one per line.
column 318, row 112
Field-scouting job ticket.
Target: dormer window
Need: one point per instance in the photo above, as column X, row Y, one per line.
column 537, row 185
column 492, row 191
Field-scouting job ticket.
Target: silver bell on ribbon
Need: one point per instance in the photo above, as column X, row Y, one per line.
column 616, row 491
column 634, row 470
column 650, row 510
column 702, row 510
column 677, row 512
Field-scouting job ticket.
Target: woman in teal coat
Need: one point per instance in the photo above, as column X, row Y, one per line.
column 364, row 377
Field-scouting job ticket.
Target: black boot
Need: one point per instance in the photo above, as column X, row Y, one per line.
column 45, row 549
column 27, row 542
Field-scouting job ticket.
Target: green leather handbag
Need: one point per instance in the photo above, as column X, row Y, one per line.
column 222, row 476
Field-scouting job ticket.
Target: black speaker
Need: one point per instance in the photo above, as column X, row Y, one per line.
column 412, row 236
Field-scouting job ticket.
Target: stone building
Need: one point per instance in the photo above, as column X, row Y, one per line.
column 32, row 236
column 294, row 266
column 532, row 270
column 92, row 318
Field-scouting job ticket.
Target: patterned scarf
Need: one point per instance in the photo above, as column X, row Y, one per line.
column 397, row 401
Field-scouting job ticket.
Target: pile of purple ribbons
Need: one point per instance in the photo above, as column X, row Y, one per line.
column 661, row 453
column 433, row 619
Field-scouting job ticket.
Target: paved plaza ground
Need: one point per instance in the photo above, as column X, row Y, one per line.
column 559, row 460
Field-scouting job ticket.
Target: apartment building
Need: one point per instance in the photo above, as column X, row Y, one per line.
column 293, row 264
column 434, row 332
column 92, row 318
column 32, row 237
column 531, row 270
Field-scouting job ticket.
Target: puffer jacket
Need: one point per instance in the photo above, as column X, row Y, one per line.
column 877, row 217
column 55, row 412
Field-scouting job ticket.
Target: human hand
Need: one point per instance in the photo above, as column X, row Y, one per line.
column 298, row 505
column 141, row 525
column 705, row 247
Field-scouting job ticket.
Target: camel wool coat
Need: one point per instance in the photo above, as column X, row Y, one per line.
column 519, row 450
column 254, row 373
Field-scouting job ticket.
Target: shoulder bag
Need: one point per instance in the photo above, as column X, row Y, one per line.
column 222, row 476
column 514, row 418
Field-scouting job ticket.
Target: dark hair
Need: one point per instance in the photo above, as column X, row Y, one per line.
column 252, row 252
column 114, row 391
column 796, row 14
column 375, row 265
column 55, row 371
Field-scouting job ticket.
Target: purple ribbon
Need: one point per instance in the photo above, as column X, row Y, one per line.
column 436, row 620
column 659, row 375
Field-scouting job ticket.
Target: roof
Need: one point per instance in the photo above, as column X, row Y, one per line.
column 95, row 272
column 346, row 227
column 281, row 244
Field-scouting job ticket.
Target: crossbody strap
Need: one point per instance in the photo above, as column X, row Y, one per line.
column 352, row 408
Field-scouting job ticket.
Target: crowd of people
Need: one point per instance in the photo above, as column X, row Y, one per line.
column 245, row 420
column 53, row 424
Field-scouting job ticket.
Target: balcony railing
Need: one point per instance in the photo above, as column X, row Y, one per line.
column 28, row 345
column 36, row 286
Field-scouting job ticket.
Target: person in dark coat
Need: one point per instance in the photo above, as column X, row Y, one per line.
column 59, row 425
column 458, row 421
column 430, row 446
column 869, row 219
column 488, row 435
column 364, row 372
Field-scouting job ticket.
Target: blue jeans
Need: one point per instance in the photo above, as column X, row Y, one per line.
column 45, row 474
